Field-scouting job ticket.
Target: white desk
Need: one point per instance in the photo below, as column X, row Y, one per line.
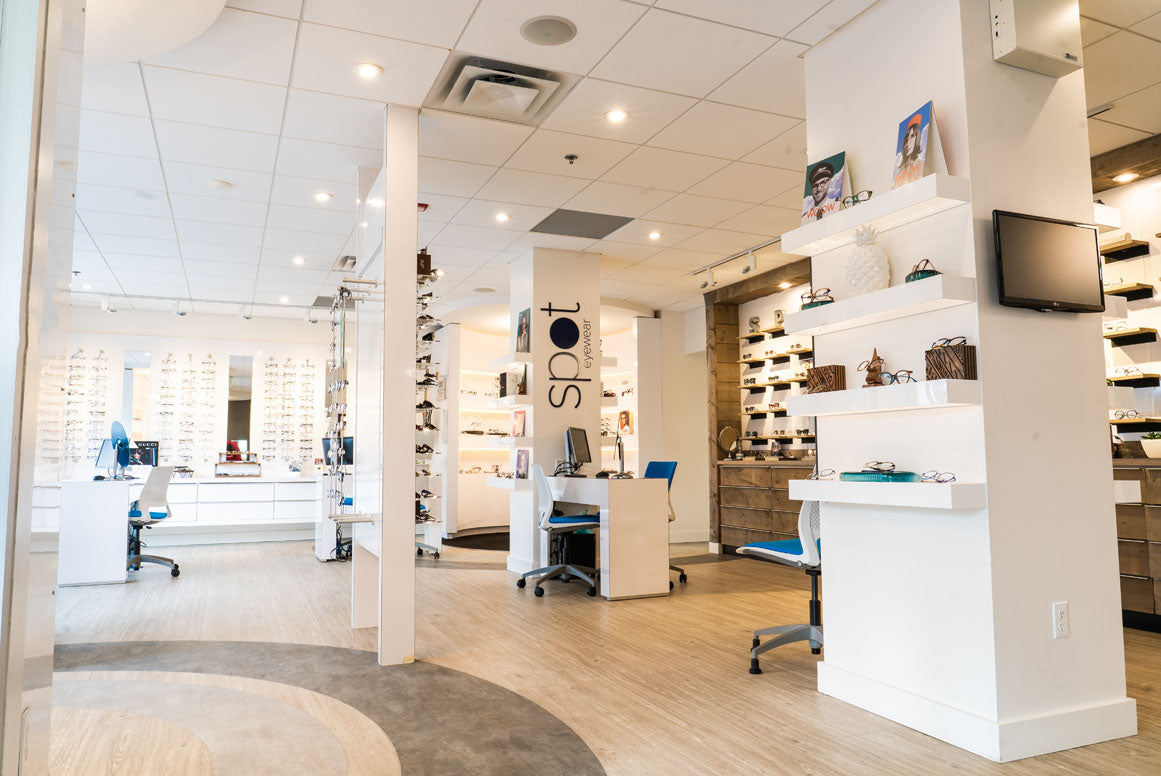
column 634, row 534
column 94, row 532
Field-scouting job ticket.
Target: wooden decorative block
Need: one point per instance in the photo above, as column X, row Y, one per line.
column 821, row 379
column 952, row 362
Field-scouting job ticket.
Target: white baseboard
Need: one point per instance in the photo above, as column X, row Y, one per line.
column 192, row 533
column 715, row 548
column 519, row 565
column 998, row 741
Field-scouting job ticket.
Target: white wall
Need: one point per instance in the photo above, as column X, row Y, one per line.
column 686, row 411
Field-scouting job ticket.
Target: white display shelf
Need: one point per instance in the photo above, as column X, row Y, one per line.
column 913, row 202
column 506, row 402
column 1120, row 397
column 928, row 495
column 505, row 441
column 888, row 398
column 901, row 301
column 1116, row 307
column 509, row 483
column 510, row 359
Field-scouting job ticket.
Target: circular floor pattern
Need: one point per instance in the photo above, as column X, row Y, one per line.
column 440, row 721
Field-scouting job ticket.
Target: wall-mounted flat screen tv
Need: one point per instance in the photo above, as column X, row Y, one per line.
column 1048, row 264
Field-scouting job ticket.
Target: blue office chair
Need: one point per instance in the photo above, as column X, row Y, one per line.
column 150, row 507
column 805, row 552
column 657, row 470
column 557, row 525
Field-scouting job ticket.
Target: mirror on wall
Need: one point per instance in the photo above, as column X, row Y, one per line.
column 238, row 414
column 135, row 393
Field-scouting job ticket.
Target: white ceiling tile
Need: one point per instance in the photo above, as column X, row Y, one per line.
column 82, row 242
column 1103, row 136
column 491, row 277
column 434, row 22
column 216, row 147
column 658, row 297
column 481, row 238
column 288, row 8
column 203, row 272
column 292, row 300
column 714, row 129
column 440, row 207
column 1091, row 31
column 239, row 294
column 127, row 225
column 658, row 168
column 748, row 182
column 1118, row 65
column 494, row 31
column 299, row 276
column 620, row 254
column 678, row 54
column 764, row 219
column 1150, row 26
column 787, row 151
column 722, row 241
column 643, row 273
column 195, row 179
column 452, row 274
column 220, row 209
column 773, row 17
column 545, row 152
column 583, row 111
column 638, row 231
column 330, row 118
column 123, row 171
column 157, row 278
column 325, row 161
column 280, row 257
column 621, row 289
column 774, row 82
column 225, row 234
column 326, row 58
column 458, row 179
column 790, row 199
column 482, row 212
column 426, row 232
column 679, row 258
column 251, row 46
column 539, row 240
column 685, row 305
column 110, row 199
column 1140, row 110
column 291, row 240
column 111, row 244
column 530, row 188
column 203, row 251
column 289, row 190
column 114, row 88
column 213, row 101
column 617, row 200
column 125, row 262
column 311, row 219
column 156, row 289
column 448, row 255
column 834, row 15
column 696, row 211
column 1122, row 13
column 114, row 133
column 468, row 138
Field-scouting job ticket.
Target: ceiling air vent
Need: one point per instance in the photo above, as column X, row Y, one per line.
column 498, row 90
column 344, row 264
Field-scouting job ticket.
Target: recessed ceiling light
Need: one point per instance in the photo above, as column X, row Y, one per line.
column 502, row 217
column 655, row 235
column 87, row 287
column 784, row 285
column 548, row 30
column 298, row 261
column 368, row 70
column 616, row 116
column 284, row 300
column 1125, row 177
column 484, row 290
column 323, row 196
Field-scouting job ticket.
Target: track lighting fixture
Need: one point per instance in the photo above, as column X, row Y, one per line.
column 246, row 312
column 310, row 316
column 709, row 279
column 108, row 306
column 751, row 265
column 178, row 310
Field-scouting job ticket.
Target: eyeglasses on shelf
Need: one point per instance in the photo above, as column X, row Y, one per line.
column 854, row 199
column 937, row 476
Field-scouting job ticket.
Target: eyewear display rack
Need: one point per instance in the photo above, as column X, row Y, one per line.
column 430, row 415
column 338, row 391
column 773, row 366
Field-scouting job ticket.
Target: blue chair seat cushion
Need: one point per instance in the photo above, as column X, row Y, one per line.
column 574, row 520
column 785, row 547
column 152, row 515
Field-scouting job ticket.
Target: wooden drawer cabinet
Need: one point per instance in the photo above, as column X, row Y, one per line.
column 1137, row 594
column 758, row 519
column 1157, row 595
column 1154, row 560
column 780, row 499
column 754, row 503
column 1150, row 486
column 1153, row 523
column 744, row 476
column 1131, row 521
column 1134, row 557
column 755, row 498
column 1126, row 474
column 736, row 537
column 785, row 522
column 780, row 478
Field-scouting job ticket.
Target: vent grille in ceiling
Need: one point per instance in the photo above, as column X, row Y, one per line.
column 498, row 90
column 344, row 264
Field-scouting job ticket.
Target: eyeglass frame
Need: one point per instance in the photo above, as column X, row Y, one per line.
column 856, row 198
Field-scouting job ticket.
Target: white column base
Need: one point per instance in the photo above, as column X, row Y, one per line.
column 519, row 565
column 715, row 548
column 998, row 741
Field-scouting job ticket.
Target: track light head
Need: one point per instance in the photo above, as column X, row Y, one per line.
column 709, row 279
column 751, row 265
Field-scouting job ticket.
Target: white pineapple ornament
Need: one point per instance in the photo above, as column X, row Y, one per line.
column 868, row 268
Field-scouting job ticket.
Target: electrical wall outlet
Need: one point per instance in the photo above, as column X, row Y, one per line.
column 1061, row 629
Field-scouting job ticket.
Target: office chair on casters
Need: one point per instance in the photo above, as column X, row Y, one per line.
column 805, row 553
column 150, row 507
column 657, row 470
column 557, row 525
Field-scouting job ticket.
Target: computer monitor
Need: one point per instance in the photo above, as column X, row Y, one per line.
column 576, row 446
column 106, row 458
column 348, row 451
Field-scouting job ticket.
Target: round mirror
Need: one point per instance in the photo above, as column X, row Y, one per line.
column 728, row 440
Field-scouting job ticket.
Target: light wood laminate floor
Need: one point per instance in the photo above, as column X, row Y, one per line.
column 654, row 686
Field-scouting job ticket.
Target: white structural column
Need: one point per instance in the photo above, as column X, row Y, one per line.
column 397, row 553
column 941, row 618
column 650, row 420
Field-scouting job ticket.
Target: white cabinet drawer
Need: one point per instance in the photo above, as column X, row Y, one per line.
column 296, row 491
column 45, row 517
column 297, row 510
column 235, row 512
column 182, row 493
column 45, row 497
column 182, row 513
column 217, row 492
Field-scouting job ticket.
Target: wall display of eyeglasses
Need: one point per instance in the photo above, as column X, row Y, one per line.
column 619, row 404
column 183, row 408
column 287, row 429
column 50, row 418
column 430, row 383
column 86, row 403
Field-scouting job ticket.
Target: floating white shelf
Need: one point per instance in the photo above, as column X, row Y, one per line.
column 928, row 495
column 510, row 359
column 502, row 441
column 888, row 398
column 509, row 483
column 506, row 402
column 913, row 202
column 901, row 301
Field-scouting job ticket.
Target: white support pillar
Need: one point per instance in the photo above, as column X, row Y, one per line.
column 397, row 553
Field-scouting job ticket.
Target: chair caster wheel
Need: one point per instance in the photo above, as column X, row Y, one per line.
column 419, row 552
column 175, row 571
column 815, row 651
column 436, row 556
column 521, row 583
column 671, row 584
column 683, row 579
column 754, row 668
column 539, row 592
column 592, row 591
